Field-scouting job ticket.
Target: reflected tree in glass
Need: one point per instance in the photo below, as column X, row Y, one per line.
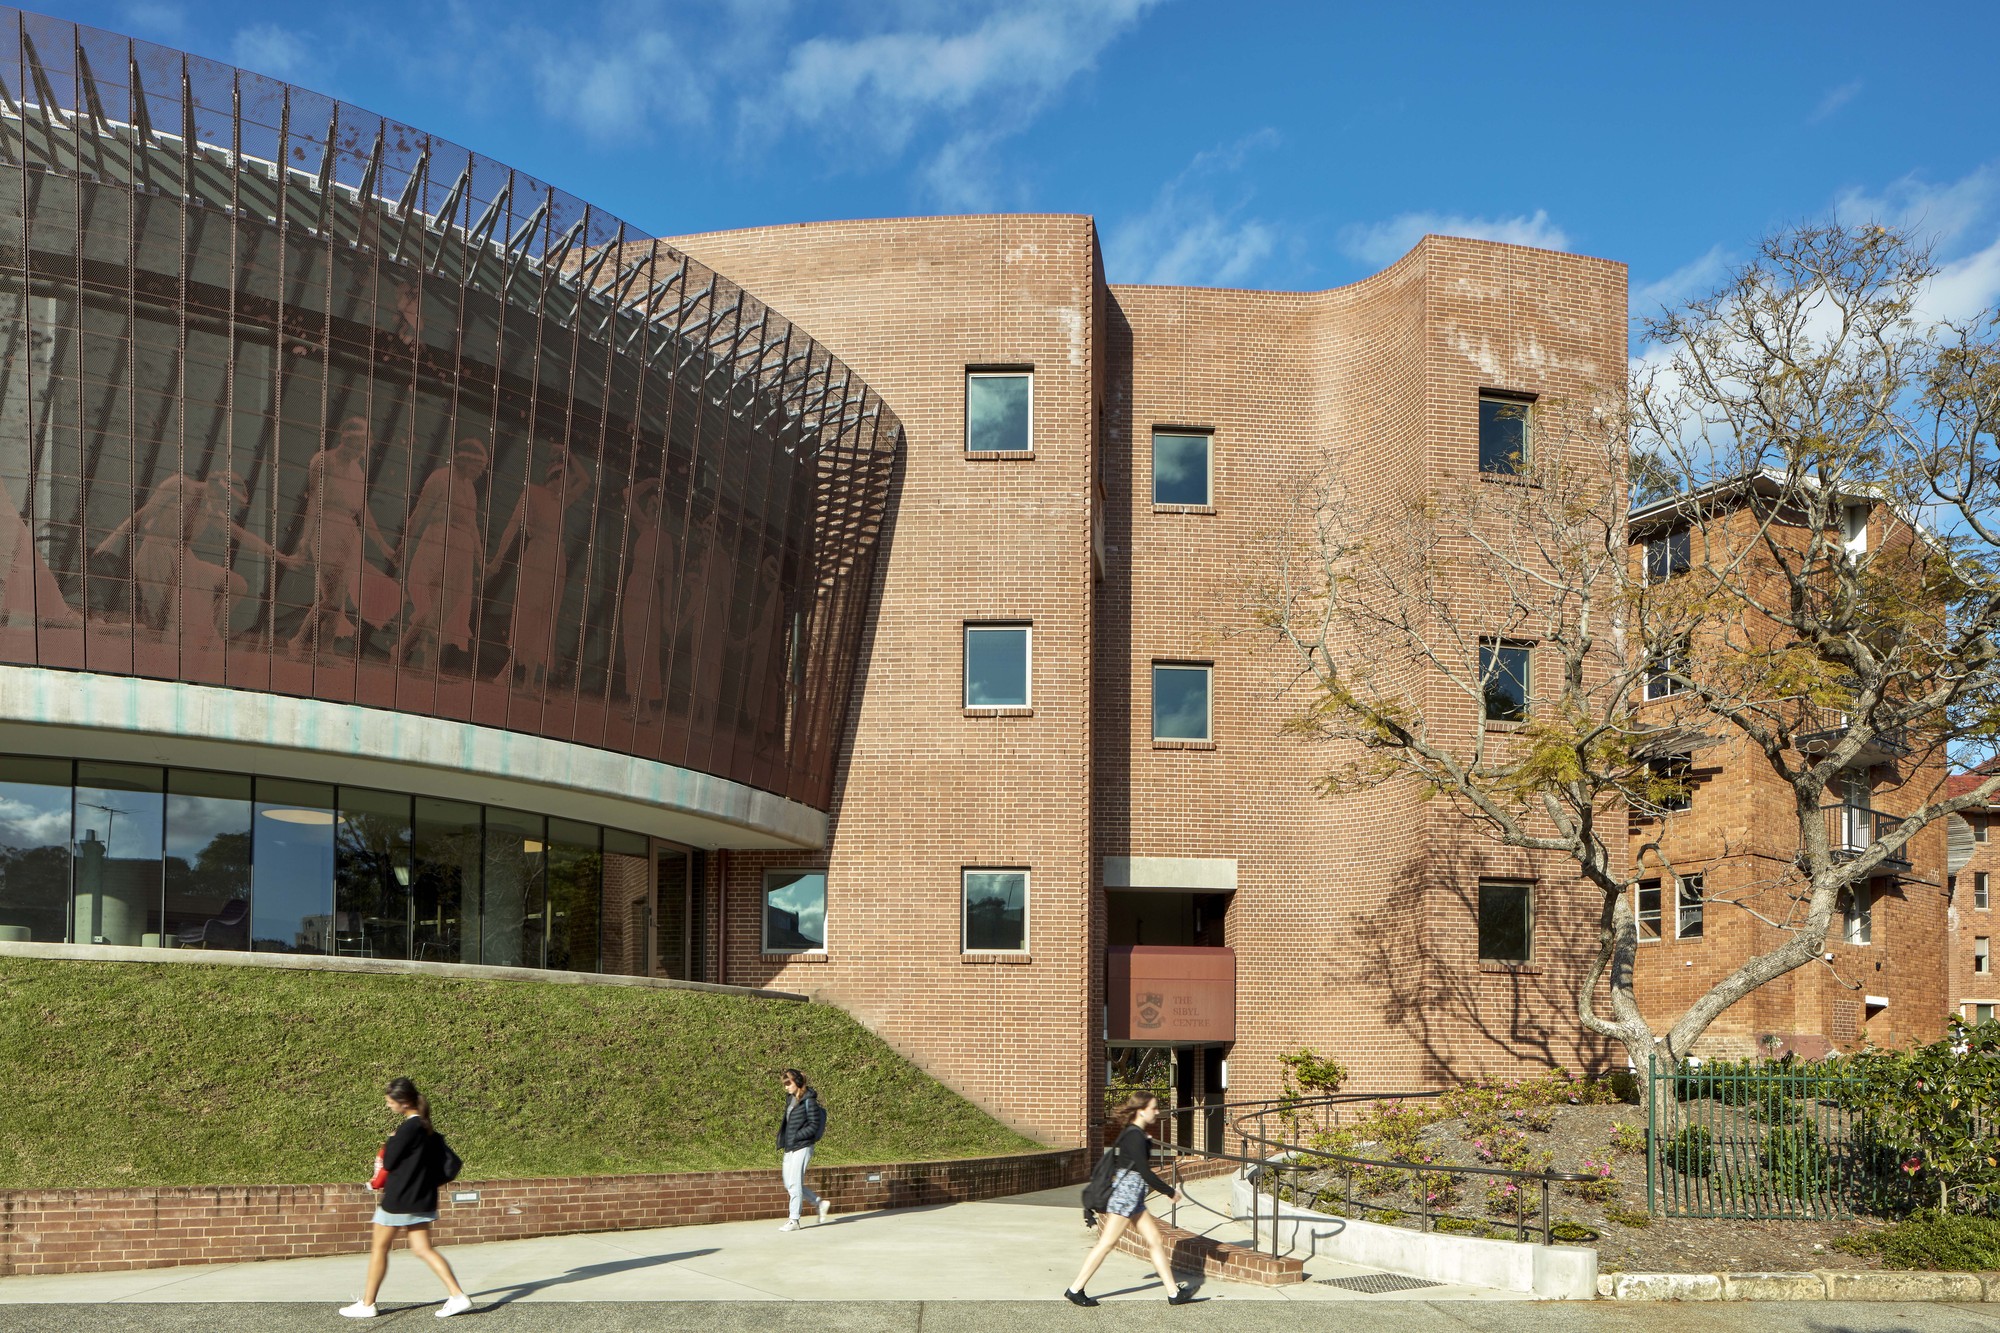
column 444, row 881
column 574, row 866
column 35, row 797
column 512, row 906
column 208, row 860
column 374, row 905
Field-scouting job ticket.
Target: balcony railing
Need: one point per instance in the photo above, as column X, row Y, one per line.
column 1170, row 995
column 1853, row 829
column 1830, row 727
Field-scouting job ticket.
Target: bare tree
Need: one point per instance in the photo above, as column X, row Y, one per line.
column 1822, row 474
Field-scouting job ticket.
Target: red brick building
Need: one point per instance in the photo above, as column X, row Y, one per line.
column 1718, row 865
column 1970, row 933
column 1165, row 832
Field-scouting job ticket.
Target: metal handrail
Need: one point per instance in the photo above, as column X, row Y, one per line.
column 1293, row 1150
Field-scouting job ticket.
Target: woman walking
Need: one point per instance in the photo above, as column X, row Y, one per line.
column 799, row 1128
column 413, row 1163
column 1133, row 1155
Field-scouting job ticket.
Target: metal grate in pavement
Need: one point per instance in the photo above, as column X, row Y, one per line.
column 1375, row 1284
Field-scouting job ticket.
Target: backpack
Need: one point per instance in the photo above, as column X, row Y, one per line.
column 1097, row 1193
column 449, row 1162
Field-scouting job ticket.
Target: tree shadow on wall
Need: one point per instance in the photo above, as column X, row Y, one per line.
column 1470, row 1019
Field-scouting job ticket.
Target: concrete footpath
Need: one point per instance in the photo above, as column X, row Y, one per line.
column 1023, row 1248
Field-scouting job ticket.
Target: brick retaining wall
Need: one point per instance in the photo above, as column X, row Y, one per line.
column 79, row 1231
column 1193, row 1255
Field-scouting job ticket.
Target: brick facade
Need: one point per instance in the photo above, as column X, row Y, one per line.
column 1968, row 922
column 83, row 1231
column 1739, row 833
column 1351, row 918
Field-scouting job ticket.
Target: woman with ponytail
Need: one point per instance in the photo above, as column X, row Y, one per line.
column 1132, row 1157
column 408, row 1171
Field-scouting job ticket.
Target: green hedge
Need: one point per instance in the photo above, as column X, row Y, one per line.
column 128, row 1074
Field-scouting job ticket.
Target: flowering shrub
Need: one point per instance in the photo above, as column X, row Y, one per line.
column 1602, row 1189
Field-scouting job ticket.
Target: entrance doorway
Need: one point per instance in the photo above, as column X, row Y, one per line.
column 677, row 918
column 1188, row 1080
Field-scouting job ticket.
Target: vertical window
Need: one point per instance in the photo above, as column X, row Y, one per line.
column 1646, row 909
column 291, row 893
column 1687, row 920
column 1506, row 921
column 208, row 860
column 444, row 883
column 1667, row 555
column 374, row 914
column 1181, row 703
column 1504, row 435
column 1979, row 898
column 996, row 911
column 1979, row 955
column 120, row 817
column 1182, row 468
column 1979, row 828
column 1858, row 915
column 1982, row 1013
column 795, row 911
column 574, row 877
column 1854, row 528
column 999, row 411
column 996, row 666
column 1503, row 680
column 511, row 907
column 1664, row 674
column 35, row 850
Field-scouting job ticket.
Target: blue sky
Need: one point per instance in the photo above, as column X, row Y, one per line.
column 1281, row 145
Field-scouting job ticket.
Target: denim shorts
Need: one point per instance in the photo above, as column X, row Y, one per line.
column 385, row 1218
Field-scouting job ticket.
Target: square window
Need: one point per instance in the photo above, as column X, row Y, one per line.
column 1979, row 955
column 1667, row 555
column 996, row 666
column 1646, row 909
column 996, row 911
column 1503, row 680
column 1181, row 468
column 1687, row 924
column 1506, row 921
column 1982, row 1013
column 1671, row 772
column 999, row 411
column 1503, row 433
column 1858, row 916
column 795, row 911
column 1979, row 898
column 1181, row 702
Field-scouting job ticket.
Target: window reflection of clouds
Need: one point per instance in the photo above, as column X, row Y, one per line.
column 801, row 902
column 32, row 816
column 1180, row 469
column 996, row 667
column 1180, row 703
column 996, row 408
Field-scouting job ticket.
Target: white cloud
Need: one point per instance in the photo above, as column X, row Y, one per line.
column 1382, row 243
column 1186, row 238
column 1938, row 214
column 1834, row 100
column 887, row 85
column 266, row 48
column 617, row 89
column 27, row 824
column 1693, row 278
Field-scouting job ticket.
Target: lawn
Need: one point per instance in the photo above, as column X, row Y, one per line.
column 128, row 1074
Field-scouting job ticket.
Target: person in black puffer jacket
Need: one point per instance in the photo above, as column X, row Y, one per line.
column 409, row 1171
column 1132, row 1155
column 800, row 1126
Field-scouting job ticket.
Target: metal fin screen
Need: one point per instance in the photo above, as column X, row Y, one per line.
column 297, row 399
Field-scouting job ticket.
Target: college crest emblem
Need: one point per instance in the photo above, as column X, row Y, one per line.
column 1149, row 1009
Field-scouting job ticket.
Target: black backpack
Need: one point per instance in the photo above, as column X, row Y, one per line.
column 1097, row 1192
column 449, row 1163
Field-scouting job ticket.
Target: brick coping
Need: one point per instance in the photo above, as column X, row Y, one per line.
column 105, row 1230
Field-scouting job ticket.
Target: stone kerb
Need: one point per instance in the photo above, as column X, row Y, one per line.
column 1818, row 1285
column 1552, row 1272
column 102, row 1230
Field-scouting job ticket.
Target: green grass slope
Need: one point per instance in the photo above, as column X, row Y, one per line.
column 127, row 1074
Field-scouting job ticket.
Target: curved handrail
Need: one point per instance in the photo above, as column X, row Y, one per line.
column 1288, row 1152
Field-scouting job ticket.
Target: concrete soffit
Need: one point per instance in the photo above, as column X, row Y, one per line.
column 75, row 714
column 1171, row 874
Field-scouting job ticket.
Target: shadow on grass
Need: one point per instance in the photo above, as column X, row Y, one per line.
column 492, row 1297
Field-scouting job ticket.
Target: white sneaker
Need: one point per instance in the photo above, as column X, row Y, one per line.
column 825, row 1207
column 792, row 1225
column 456, row 1305
column 358, row 1310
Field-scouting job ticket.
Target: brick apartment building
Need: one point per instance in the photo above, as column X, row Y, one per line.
column 1969, row 931
column 1183, row 887
column 1722, row 872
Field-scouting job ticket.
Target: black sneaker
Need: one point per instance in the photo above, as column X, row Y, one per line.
column 1078, row 1298
column 1183, row 1295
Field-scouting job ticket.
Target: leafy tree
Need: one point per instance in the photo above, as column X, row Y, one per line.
column 1805, row 393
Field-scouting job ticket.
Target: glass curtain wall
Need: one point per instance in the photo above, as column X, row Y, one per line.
column 133, row 855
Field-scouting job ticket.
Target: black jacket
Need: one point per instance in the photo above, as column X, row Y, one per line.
column 802, row 1122
column 1134, row 1150
column 415, row 1158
